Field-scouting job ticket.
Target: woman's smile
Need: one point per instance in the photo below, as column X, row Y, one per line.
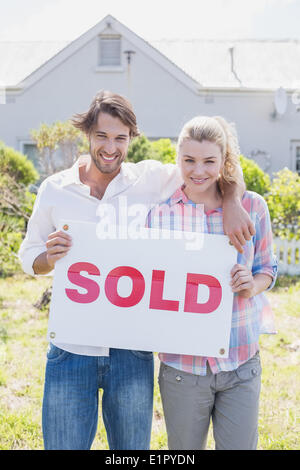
column 199, row 180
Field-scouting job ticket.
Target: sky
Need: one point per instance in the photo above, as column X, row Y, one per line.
column 60, row 20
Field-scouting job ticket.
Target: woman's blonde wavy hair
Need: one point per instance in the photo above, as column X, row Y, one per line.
column 222, row 133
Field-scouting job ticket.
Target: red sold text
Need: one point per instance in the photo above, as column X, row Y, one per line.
column 156, row 300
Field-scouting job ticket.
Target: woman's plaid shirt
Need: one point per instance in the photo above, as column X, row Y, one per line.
column 250, row 317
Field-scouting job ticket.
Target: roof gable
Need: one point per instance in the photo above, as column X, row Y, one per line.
column 197, row 63
column 107, row 25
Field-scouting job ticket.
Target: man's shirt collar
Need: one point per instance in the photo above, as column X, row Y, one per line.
column 71, row 175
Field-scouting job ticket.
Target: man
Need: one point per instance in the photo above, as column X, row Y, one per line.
column 75, row 373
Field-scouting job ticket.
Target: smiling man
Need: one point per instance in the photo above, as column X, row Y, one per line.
column 75, row 373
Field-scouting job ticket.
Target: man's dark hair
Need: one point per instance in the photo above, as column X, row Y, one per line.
column 109, row 103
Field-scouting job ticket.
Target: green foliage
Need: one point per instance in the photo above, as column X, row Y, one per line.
column 16, row 204
column 284, row 204
column 58, row 133
column 140, row 149
column 255, row 179
column 10, row 243
column 282, row 196
column 61, row 137
column 17, row 166
column 166, row 151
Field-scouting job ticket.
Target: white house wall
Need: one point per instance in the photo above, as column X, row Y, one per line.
column 162, row 103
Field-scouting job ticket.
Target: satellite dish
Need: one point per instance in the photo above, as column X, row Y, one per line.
column 280, row 100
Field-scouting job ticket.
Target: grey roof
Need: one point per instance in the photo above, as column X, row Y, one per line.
column 262, row 64
column 20, row 59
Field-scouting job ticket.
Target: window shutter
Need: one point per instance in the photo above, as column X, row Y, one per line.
column 110, row 50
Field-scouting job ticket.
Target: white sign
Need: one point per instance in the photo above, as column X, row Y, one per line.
column 152, row 293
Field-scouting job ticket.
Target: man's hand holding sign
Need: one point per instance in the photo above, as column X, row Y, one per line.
column 129, row 293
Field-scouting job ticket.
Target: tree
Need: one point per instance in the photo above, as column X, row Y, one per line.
column 59, row 145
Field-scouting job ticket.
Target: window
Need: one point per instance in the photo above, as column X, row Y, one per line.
column 298, row 159
column 59, row 161
column 295, row 156
column 30, row 150
column 110, row 51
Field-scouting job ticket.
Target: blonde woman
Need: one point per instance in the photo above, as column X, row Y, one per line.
column 197, row 389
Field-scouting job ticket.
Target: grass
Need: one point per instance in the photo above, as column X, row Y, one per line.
column 23, row 348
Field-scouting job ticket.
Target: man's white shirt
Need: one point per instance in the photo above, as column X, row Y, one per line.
column 63, row 196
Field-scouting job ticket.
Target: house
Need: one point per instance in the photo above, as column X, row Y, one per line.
column 255, row 84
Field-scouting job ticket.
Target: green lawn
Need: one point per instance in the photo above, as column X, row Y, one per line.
column 23, row 348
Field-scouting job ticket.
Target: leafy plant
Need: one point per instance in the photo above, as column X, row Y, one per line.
column 284, row 204
column 15, row 165
column 16, row 203
column 59, row 145
column 255, row 178
column 140, row 149
column 165, row 149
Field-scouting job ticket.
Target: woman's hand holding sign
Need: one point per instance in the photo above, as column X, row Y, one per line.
column 245, row 284
column 242, row 281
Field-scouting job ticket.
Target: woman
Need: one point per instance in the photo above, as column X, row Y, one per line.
column 196, row 389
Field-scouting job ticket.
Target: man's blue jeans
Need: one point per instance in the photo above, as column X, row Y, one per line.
column 70, row 406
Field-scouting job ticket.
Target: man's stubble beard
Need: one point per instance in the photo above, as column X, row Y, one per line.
column 103, row 168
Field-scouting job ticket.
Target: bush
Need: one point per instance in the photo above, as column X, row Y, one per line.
column 140, row 149
column 17, row 166
column 16, row 204
column 284, row 204
column 9, row 246
column 254, row 177
column 165, row 150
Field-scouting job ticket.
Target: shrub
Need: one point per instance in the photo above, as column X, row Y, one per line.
column 16, row 204
column 9, row 246
column 284, row 204
column 165, row 150
column 140, row 149
column 254, row 177
column 17, row 166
